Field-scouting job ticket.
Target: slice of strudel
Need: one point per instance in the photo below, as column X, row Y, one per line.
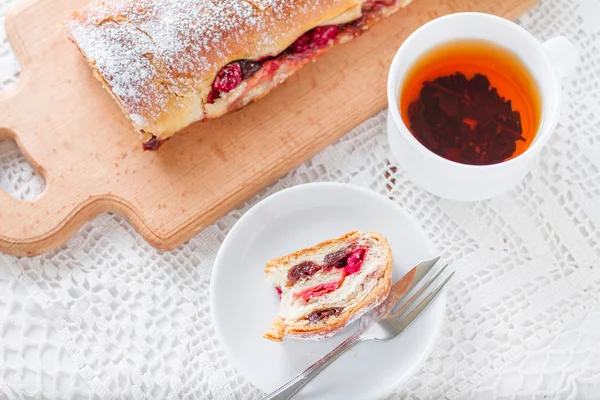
column 325, row 287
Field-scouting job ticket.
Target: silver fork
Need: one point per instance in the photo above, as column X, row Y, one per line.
column 381, row 324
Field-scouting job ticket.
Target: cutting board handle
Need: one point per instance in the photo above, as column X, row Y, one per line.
column 7, row 132
column 27, row 227
column 30, row 228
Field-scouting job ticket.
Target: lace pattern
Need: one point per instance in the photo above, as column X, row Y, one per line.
column 106, row 316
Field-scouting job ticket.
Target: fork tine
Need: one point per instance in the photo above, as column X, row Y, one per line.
column 415, row 312
column 411, row 279
column 427, row 264
column 398, row 309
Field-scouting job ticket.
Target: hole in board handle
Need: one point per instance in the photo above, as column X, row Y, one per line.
column 17, row 177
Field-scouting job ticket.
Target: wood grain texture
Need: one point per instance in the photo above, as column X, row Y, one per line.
column 73, row 133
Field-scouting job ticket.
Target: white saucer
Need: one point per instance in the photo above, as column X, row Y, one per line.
column 243, row 303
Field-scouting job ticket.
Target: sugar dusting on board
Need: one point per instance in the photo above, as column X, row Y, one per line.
column 155, row 53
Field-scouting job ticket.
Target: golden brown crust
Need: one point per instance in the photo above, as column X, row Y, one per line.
column 279, row 329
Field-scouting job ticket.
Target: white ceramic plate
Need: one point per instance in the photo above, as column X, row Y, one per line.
column 243, row 303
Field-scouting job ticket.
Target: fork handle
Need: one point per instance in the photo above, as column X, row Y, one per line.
column 291, row 389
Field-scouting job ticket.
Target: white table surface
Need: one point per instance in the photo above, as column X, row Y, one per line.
column 106, row 316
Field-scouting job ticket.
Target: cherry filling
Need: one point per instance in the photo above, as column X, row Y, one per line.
column 314, row 39
column 320, row 315
column 228, row 77
column 317, row 291
column 337, row 259
column 231, row 75
column 355, row 261
column 350, row 260
column 302, row 271
column 373, row 5
column 152, row 144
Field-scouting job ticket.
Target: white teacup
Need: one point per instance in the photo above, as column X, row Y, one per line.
column 548, row 62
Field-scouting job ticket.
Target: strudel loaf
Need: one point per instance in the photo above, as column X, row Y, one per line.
column 169, row 63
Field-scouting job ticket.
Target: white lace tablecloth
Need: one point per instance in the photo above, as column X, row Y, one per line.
column 107, row 316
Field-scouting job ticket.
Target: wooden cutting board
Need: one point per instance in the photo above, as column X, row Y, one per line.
column 73, row 133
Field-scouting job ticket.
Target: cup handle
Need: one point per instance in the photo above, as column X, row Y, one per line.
column 563, row 55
